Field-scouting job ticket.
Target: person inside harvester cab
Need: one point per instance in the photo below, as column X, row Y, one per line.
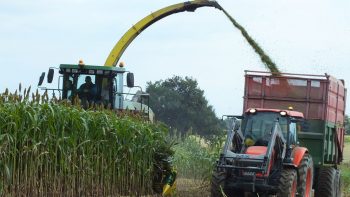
column 87, row 90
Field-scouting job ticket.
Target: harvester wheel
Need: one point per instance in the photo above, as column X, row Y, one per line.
column 217, row 186
column 305, row 176
column 328, row 182
column 288, row 183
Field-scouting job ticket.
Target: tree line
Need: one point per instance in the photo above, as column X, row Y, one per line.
column 181, row 104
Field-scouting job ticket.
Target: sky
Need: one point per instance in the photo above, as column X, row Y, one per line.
column 300, row 36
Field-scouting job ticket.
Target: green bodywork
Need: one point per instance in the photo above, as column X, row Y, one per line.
column 321, row 140
column 92, row 67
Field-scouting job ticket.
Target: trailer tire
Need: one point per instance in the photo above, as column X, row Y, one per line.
column 217, row 186
column 328, row 182
column 305, row 176
column 287, row 186
column 339, row 183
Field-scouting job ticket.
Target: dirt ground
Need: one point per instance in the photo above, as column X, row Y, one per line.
column 192, row 188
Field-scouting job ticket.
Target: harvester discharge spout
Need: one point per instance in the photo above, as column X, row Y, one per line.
column 135, row 30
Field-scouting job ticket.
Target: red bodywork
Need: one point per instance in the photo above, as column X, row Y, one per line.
column 256, row 150
column 289, row 112
column 298, row 154
column 320, row 97
column 261, row 150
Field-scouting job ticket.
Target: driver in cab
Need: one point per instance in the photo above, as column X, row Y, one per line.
column 87, row 89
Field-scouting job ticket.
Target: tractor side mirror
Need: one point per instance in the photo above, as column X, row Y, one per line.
column 41, row 79
column 130, row 80
column 50, row 75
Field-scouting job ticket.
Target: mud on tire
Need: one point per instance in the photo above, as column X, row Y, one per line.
column 306, row 166
column 339, row 189
column 328, row 182
column 217, row 186
column 287, row 183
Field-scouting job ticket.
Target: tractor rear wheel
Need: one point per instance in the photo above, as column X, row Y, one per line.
column 288, row 183
column 339, row 188
column 217, row 186
column 328, row 182
column 305, row 176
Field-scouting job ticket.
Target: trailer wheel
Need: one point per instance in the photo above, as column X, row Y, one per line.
column 305, row 176
column 288, row 183
column 339, row 183
column 328, row 182
column 217, row 186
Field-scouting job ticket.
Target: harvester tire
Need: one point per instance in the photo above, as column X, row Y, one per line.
column 305, row 176
column 328, row 182
column 217, row 186
column 288, row 183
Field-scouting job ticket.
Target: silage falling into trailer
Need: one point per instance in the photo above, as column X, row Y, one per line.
column 270, row 65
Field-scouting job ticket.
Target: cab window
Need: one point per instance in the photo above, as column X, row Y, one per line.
column 260, row 125
column 86, row 88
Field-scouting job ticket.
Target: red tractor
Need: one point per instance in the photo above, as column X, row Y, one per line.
column 274, row 151
column 263, row 157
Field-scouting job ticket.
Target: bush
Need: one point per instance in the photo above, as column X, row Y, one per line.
column 345, row 173
column 347, row 139
column 195, row 157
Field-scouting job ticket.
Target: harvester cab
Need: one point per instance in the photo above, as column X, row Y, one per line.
column 98, row 85
column 262, row 156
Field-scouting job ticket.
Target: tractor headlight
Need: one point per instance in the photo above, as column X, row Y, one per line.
column 283, row 113
column 252, row 111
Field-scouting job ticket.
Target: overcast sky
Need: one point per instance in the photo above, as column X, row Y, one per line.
column 300, row 36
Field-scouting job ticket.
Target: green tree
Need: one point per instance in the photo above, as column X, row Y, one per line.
column 181, row 104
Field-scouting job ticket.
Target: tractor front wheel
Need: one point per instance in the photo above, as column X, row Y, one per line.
column 217, row 186
column 288, row 183
column 328, row 182
column 305, row 176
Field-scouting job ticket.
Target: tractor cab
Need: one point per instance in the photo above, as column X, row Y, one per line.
column 258, row 125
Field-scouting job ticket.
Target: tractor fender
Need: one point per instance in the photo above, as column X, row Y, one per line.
column 298, row 154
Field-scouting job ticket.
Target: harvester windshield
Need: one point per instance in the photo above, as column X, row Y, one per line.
column 92, row 85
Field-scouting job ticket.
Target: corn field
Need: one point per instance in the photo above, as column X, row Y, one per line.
column 52, row 148
column 195, row 157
